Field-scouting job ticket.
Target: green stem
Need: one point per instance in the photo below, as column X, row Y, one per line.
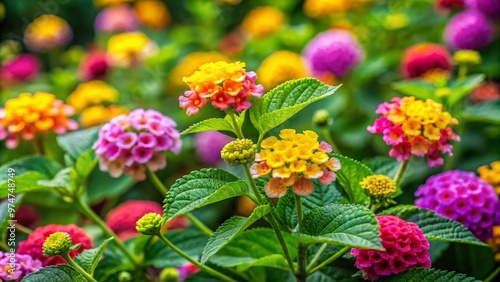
column 492, row 275
column 4, row 246
column 23, row 229
column 329, row 139
column 163, row 190
column 38, row 144
column 462, row 71
column 301, row 274
column 274, row 223
column 252, row 184
column 329, row 260
column 87, row 276
column 401, row 172
column 317, row 256
column 237, row 128
column 208, row 269
column 196, row 222
column 87, row 211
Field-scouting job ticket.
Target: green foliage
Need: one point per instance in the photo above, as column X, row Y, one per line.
column 349, row 177
column 434, row 226
column 421, row 89
column 462, row 87
column 229, row 230
column 287, row 99
column 347, row 225
column 428, row 275
column 59, row 273
column 5, row 214
column 255, row 247
column 78, row 142
column 219, row 124
column 201, row 188
column 88, row 259
column 487, row 112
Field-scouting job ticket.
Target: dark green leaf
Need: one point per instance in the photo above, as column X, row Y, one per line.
column 78, row 142
column 58, row 273
column 486, row 112
column 88, row 259
column 428, row 275
column 349, row 177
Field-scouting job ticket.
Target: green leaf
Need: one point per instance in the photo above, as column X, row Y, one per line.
column 323, row 195
column 287, row 99
column 218, row 124
column 256, row 247
column 434, row 226
column 486, row 112
column 190, row 241
column 101, row 185
column 27, row 182
column 85, row 164
column 419, row 88
column 88, row 259
column 59, row 273
column 428, row 275
column 462, row 87
column 78, row 142
column 350, row 175
column 33, row 163
column 229, row 230
column 338, row 224
column 5, row 215
column 62, row 179
column 383, row 165
column 201, row 188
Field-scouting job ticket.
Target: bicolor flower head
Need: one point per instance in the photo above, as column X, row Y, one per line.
column 405, row 247
column 95, row 65
column 463, row 197
column 209, row 145
column 33, row 244
column 92, row 93
column 423, row 58
column 24, row 265
column 129, row 142
column 294, row 160
column 263, row 21
column 490, row 8
column 25, row 116
column 223, row 84
column 334, row 52
column 47, row 32
column 279, row 67
column 120, row 18
column 415, row 127
column 468, row 30
column 153, row 14
column 130, row 48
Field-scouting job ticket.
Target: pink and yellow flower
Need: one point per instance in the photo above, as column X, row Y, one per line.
column 47, row 32
column 224, row 84
column 25, row 116
column 415, row 127
column 294, row 160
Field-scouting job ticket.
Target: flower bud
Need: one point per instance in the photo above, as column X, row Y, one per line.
column 124, row 276
column 170, row 274
column 56, row 244
column 321, row 118
column 241, row 151
column 467, row 57
column 378, row 185
column 150, row 224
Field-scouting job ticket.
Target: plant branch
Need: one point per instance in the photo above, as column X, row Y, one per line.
column 208, row 269
column 492, row 275
column 401, row 172
column 87, row 276
column 329, row 260
column 301, row 274
column 237, row 128
column 317, row 256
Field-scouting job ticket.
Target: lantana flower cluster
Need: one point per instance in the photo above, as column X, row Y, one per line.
column 263, row 21
column 427, row 60
column 463, row 197
column 294, row 161
column 24, row 265
column 47, row 32
column 130, row 48
column 279, row 67
column 224, row 84
column 415, row 127
column 33, row 244
column 25, row 116
column 405, row 247
column 491, row 175
column 128, row 142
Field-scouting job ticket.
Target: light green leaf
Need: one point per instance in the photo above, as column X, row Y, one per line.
column 190, row 241
column 201, row 188
column 219, row 124
column 27, row 182
column 434, row 226
column 428, row 275
column 101, row 185
column 486, row 112
column 62, row 179
column 462, row 87
column 78, row 142
column 229, row 230
column 287, row 99
column 419, row 88
column 59, row 273
column 323, row 195
column 256, row 247
column 33, row 163
column 350, row 175
column 88, row 259
column 85, row 164
column 346, row 225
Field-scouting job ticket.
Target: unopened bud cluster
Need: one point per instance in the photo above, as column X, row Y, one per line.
column 241, row 151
